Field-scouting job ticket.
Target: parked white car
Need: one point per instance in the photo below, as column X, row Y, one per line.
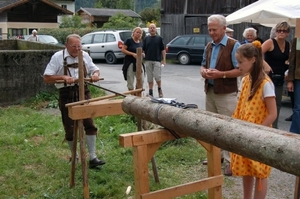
column 48, row 39
column 106, row 44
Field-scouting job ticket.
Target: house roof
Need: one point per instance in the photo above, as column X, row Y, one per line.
column 9, row 4
column 108, row 12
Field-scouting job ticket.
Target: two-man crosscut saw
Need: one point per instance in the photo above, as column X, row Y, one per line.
column 87, row 81
column 105, row 89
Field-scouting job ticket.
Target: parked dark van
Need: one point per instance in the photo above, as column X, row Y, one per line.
column 187, row 48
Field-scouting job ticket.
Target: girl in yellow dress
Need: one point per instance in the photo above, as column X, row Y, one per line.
column 256, row 104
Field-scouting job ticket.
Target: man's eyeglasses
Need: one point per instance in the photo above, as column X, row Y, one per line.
column 283, row 31
column 74, row 46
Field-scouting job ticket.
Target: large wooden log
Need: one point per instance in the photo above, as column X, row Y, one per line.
column 279, row 149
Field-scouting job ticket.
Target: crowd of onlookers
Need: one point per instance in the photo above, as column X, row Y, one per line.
column 245, row 80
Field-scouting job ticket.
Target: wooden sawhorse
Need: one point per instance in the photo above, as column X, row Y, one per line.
column 146, row 143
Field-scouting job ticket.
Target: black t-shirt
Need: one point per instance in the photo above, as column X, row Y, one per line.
column 132, row 46
column 152, row 46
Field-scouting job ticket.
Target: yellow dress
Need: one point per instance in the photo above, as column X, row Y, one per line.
column 254, row 111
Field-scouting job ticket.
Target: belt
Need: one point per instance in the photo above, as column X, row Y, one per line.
column 70, row 87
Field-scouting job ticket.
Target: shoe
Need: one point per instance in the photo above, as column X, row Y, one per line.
column 289, row 119
column 160, row 93
column 227, row 170
column 95, row 162
column 205, row 161
column 150, row 93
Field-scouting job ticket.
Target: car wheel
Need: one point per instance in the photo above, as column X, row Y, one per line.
column 184, row 58
column 110, row 58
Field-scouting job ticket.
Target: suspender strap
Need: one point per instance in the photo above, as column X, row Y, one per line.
column 74, row 65
column 65, row 66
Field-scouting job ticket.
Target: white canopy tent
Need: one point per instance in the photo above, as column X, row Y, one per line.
column 267, row 12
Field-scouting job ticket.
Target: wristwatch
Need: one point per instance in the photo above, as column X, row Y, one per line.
column 224, row 75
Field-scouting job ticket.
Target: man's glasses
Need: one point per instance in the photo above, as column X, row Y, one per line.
column 283, row 31
column 74, row 46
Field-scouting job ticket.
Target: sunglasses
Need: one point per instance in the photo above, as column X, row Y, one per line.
column 283, row 31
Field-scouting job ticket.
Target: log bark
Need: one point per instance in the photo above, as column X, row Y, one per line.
column 279, row 149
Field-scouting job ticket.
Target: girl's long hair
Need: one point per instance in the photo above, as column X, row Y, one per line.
column 256, row 73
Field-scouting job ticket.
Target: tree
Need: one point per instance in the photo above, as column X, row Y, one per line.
column 84, row 4
column 136, row 5
column 125, row 4
column 151, row 15
column 142, row 4
column 72, row 22
column 115, row 4
column 106, row 4
column 120, row 21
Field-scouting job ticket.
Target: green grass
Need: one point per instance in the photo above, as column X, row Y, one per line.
column 34, row 160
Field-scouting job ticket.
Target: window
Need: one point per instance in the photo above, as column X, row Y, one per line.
column 86, row 39
column 181, row 41
column 125, row 35
column 110, row 38
column 64, row 6
column 198, row 41
column 98, row 38
column 16, row 32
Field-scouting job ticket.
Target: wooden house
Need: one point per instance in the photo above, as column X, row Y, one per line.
column 98, row 16
column 20, row 17
column 190, row 17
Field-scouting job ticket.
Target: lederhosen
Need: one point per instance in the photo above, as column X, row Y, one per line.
column 69, row 94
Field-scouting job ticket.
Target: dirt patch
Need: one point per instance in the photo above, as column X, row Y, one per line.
column 36, row 140
column 51, row 111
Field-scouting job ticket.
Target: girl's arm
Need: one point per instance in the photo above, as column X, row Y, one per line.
column 272, row 110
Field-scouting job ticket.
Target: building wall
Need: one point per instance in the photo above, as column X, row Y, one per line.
column 185, row 16
column 70, row 4
column 6, row 27
column 23, row 19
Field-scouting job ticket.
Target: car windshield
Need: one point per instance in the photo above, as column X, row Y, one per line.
column 47, row 39
column 125, row 35
column 44, row 39
column 181, row 41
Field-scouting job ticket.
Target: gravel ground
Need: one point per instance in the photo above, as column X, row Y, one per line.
column 281, row 186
